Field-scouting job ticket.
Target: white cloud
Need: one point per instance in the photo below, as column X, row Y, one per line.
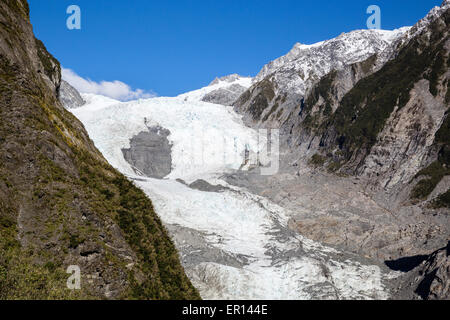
column 113, row 89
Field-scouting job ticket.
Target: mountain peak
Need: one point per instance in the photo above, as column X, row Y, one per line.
column 228, row 79
column 304, row 64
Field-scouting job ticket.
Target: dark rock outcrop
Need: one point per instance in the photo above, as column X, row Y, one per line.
column 150, row 153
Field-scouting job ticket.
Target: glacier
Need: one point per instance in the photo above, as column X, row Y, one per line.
column 233, row 244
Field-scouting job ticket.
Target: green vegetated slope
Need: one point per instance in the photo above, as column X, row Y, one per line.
column 259, row 97
column 61, row 203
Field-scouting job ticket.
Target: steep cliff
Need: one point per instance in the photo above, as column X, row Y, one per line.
column 69, row 96
column 61, row 203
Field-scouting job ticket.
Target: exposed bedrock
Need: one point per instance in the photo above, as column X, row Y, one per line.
column 69, row 96
column 150, row 153
column 429, row 278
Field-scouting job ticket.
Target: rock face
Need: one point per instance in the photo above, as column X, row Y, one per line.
column 430, row 280
column 407, row 105
column 436, row 276
column 338, row 211
column 69, row 96
column 61, row 203
column 150, row 153
column 404, row 145
column 225, row 96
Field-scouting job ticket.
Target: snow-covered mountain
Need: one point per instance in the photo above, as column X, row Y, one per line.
column 293, row 75
column 224, row 90
column 304, row 65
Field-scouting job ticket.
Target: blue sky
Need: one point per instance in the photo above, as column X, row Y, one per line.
column 170, row 47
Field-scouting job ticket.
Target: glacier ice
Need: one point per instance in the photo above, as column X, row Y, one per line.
column 278, row 264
